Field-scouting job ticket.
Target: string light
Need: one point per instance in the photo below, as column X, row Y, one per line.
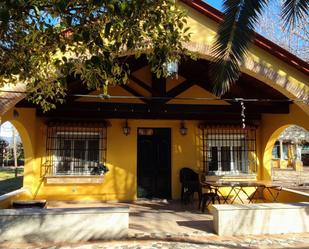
column 188, row 98
column 243, row 115
column 107, row 96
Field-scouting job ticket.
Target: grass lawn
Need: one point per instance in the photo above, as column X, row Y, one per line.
column 8, row 182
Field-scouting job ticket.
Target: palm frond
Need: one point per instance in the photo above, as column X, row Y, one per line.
column 231, row 45
column 294, row 10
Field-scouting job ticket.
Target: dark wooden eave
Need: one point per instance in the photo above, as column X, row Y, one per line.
column 97, row 111
column 195, row 73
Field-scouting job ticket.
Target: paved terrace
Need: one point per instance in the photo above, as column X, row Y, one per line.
column 289, row 178
column 157, row 217
column 162, row 224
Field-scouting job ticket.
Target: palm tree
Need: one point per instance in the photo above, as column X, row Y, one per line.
column 237, row 30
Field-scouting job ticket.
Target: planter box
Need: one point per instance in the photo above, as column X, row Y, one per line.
column 63, row 225
column 264, row 218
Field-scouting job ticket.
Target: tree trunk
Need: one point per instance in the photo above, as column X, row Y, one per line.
column 14, row 149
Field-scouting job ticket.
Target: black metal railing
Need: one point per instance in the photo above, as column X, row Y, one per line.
column 75, row 148
column 228, row 150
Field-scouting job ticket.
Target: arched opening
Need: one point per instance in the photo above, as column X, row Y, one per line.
column 290, row 157
column 12, row 158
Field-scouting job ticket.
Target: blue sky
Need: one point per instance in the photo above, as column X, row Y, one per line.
column 215, row 3
column 6, row 129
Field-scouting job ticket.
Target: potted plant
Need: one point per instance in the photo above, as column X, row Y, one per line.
column 100, row 170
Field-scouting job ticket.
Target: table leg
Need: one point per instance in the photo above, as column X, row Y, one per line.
column 220, row 194
column 225, row 199
column 251, row 198
column 278, row 189
column 237, row 194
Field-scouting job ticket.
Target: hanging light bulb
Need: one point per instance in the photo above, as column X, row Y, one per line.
column 126, row 128
column 172, row 68
column 243, row 115
column 183, row 129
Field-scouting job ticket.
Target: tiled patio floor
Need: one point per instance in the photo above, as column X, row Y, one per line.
column 157, row 217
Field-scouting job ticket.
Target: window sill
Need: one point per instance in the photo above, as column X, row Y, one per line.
column 66, row 179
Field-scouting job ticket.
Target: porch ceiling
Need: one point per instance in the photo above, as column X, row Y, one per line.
column 11, row 95
column 156, row 98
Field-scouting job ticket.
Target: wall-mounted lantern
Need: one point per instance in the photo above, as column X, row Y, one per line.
column 126, row 129
column 15, row 113
column 183, row 129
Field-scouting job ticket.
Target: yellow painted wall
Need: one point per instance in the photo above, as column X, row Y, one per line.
column 203, row 31
column 271, row 127
column 275, row 163
column 120, row 182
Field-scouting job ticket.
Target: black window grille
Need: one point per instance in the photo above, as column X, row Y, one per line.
column 228, row 150
column 276, row 151
column 75, row 148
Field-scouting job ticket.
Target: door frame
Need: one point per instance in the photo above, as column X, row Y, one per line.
column 170, row 178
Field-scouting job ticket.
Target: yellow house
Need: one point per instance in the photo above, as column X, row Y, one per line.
column 151, row 128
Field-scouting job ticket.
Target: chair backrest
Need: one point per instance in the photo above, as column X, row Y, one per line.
column 187, row 174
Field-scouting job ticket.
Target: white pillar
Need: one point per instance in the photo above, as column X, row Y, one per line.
column 298, row 152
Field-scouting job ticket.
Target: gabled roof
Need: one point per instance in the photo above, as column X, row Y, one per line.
column 294, row 133
column 259, row 40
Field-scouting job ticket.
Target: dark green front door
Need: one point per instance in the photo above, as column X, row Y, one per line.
column 154, row 163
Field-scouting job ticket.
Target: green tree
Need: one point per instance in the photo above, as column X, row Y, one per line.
column 20, row 151
column 10, row 153
column 237, row 30
column 3, row 148
column 295, row 40
column 44, row 41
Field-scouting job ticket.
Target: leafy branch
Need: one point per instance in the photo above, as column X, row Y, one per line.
column 42, row 42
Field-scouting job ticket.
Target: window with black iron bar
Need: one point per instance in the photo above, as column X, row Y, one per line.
column 229, row 150
column 75, row 148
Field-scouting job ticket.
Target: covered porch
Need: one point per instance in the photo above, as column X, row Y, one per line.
column 146, row 131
